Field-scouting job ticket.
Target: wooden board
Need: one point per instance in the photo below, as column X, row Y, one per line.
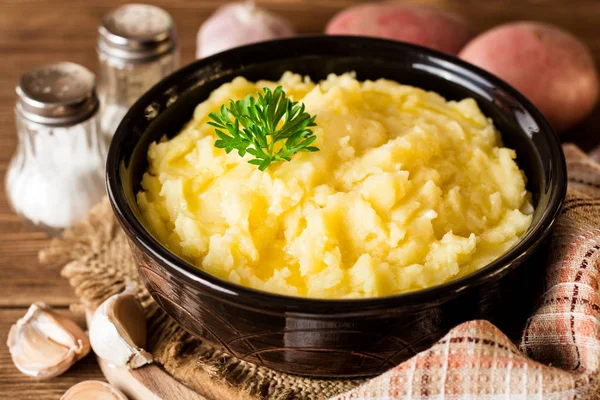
column 146, row 383
column 33, row 32
column 151, row 382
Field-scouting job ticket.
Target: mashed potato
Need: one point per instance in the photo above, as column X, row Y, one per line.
column 407, row 191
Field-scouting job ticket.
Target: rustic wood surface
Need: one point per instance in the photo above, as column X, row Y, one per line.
column 151, row 383
column 33, row 32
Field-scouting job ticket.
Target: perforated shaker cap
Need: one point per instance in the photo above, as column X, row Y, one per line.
column 61, row 94
column 136, row 33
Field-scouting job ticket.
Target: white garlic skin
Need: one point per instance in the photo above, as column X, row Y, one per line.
column 236, row 24
column 118, row 331
column 44, row 344
column 93, row 390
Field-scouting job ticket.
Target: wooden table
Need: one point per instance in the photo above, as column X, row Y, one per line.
column 33, row 32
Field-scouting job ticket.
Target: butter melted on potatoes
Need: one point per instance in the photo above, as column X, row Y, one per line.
column 407, row 191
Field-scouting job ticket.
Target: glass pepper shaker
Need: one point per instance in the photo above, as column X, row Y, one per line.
column 57, row 172
column 136, row 48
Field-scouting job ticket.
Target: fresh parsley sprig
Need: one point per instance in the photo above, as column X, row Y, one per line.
column 270, row 127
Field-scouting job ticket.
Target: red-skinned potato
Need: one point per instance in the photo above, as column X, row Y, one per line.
column 436, row 29
column 548, row 65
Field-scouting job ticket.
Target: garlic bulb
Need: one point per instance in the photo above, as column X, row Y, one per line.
column 44, row 344
column 237, row 24
column 96, row 390
column 118, row 331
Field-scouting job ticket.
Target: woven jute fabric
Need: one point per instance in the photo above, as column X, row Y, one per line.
column 558, row 356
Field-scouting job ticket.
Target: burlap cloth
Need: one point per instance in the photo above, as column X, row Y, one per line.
column 558, row 357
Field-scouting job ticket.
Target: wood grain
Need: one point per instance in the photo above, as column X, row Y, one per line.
column 147, row 383
column 33, row 32
column 152, row 383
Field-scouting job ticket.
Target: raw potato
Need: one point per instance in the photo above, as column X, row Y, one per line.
column 236, row 24
column 548, row 65
column 436, row 29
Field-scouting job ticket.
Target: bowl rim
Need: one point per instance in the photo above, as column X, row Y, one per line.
column 141, row 237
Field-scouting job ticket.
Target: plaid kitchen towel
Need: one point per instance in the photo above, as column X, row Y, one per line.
column 559, row 354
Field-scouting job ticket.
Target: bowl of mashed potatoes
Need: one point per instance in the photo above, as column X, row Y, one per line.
column 428, row 203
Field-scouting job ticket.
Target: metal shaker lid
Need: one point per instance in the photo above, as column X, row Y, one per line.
column 136, row 33
column 60, row 94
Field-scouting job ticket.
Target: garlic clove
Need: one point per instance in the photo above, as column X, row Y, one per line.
column 44, row 344
column 118, row 331
column 93, row 390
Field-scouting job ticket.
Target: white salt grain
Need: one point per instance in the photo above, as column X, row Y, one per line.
column 57, row 174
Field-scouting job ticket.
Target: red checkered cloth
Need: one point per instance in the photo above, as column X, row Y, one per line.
column 559, row 354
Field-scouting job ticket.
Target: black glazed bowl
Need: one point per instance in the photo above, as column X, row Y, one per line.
column 337, row 338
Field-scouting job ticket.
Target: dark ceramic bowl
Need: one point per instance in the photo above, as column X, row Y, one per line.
column 337, row 338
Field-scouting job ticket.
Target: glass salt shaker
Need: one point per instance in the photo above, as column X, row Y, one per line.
column 136, row 48
column 57, row 172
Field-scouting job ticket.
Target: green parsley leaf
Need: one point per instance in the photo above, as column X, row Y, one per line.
column 270, row 127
